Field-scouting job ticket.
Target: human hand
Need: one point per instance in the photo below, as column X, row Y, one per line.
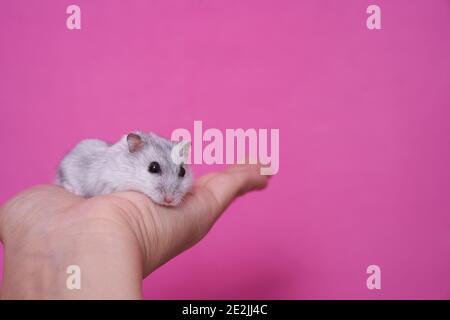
column 116, row 239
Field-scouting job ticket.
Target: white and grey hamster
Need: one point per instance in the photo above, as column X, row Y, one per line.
column 143, row 162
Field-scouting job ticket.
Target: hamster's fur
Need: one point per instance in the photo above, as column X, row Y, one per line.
column 95, row 167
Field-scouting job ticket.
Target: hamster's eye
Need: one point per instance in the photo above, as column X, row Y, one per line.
column 154, row 167
column 182, row 172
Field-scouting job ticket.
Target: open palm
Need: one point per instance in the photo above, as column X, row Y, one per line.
column 116, row 239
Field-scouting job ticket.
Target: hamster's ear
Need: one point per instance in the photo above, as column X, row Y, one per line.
column 180, row 152
column 135, row 142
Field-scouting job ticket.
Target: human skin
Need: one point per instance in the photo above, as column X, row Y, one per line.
column 116, row 239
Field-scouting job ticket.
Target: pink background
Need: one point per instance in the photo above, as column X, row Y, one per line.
column 363, row 117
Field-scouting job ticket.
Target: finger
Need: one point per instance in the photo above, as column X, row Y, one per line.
column 236, row 180
column 214, row 192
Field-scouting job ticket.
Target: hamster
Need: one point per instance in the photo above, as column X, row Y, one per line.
column 143, row 162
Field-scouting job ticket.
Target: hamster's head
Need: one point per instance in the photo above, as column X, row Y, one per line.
column 157, row 167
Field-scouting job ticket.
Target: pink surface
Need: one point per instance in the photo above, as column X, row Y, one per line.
column 363, row 116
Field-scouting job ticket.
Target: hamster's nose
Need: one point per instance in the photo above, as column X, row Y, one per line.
column 168, row 199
